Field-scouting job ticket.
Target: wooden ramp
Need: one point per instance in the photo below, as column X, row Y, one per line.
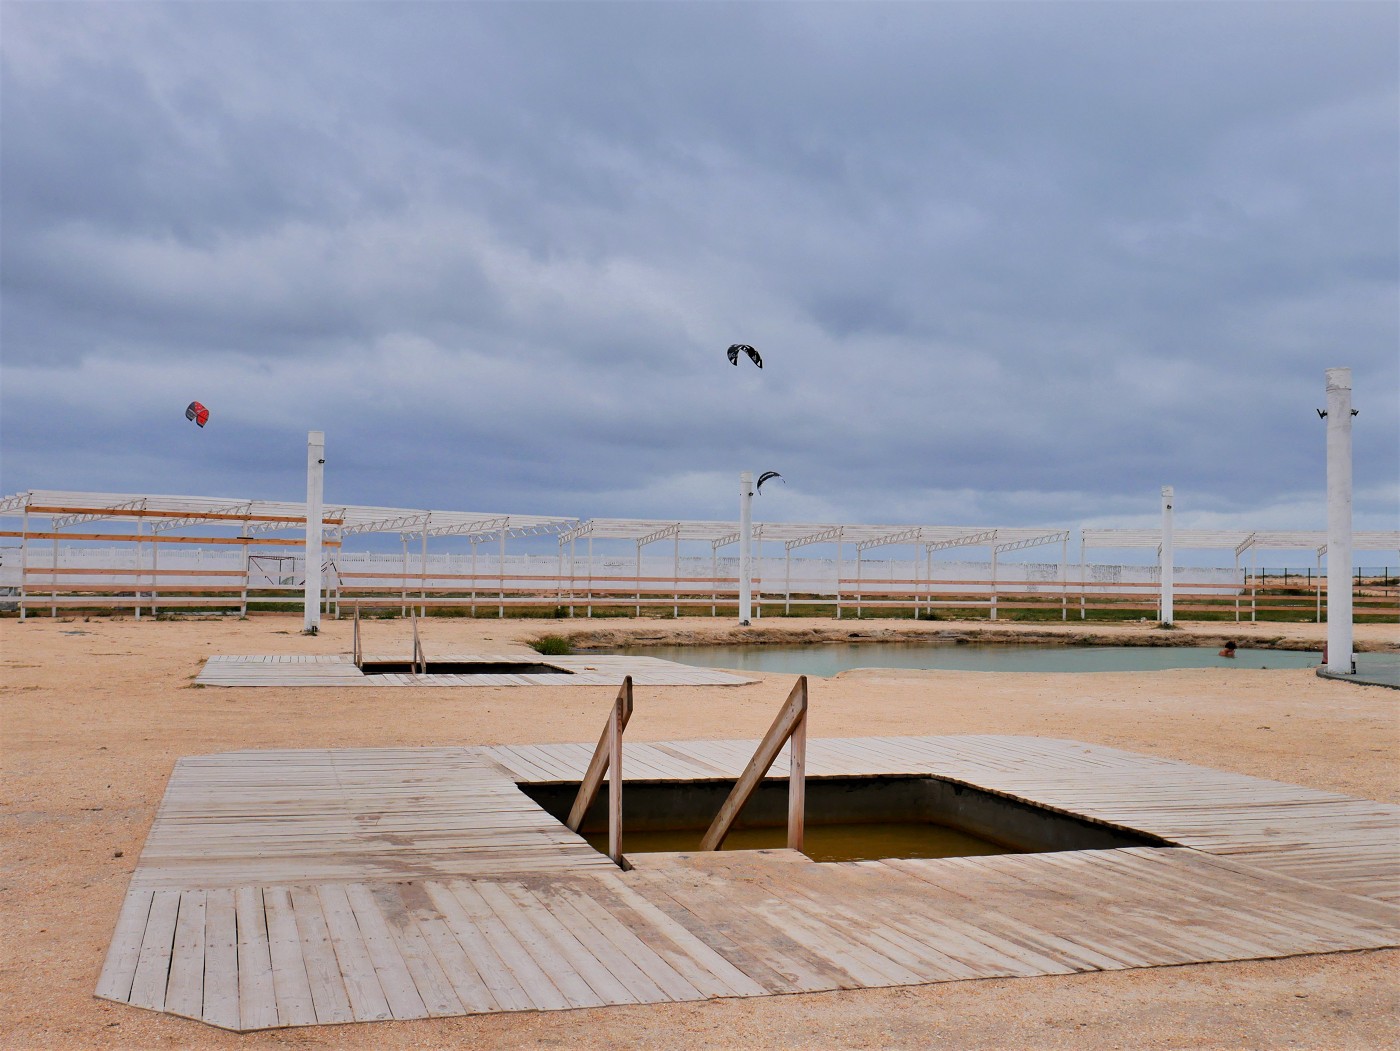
column 340, row 671
column 310, row 887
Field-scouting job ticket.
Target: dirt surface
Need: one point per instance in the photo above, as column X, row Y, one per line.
column 95, row 713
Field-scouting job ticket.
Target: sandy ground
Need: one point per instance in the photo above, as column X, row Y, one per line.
column 96, row 713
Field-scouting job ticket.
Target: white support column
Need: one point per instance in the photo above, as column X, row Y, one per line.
column 1168, row 556
column 423, row 573
column 745, row 540
column 140, row 534
column 1339, row 628
column 155, row 576
column 315, row 480
column 1318, row 618
column 247, row 569
column 993, row 615
column 860, row 583
column 53, row 578
column 1064, row 587
column 1083, row 582
column 838, row 579
column 757, row 600
column 24, row 561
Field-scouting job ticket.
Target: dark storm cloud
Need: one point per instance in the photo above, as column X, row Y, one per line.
column 1006, row 263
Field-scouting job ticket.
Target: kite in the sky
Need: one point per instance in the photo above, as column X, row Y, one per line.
column 745, row 348
column 197, row 412
column 764, row 477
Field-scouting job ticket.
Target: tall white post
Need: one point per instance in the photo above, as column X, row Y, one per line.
column 745, row 538
column 1168, row 556
column 1339, row 638
column 315, row 479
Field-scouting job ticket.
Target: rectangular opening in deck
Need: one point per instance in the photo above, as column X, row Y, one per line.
column 848, row 819
column 407, row 667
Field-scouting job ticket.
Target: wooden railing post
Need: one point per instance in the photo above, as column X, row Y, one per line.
column 791, row 723
column 420, row 662
column 615, row 783
column 607, row 759
column 797, row 775
column 357, row 656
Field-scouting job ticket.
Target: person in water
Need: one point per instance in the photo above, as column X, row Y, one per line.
column 1229, row 650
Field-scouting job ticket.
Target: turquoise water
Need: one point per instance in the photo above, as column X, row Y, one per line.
column 824, row 660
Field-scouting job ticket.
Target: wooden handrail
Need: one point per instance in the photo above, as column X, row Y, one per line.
column 791, row 723
column 355, row 643
column 607, row 759
column 420, row 661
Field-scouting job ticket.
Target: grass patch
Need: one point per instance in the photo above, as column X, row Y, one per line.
column 552, row 646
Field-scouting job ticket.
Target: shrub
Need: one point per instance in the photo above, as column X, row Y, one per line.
column 552, row 646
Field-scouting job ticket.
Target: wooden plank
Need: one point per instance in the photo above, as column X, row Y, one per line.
column 220, row 959
column 555, row 951
column 504, row 988
column 430, row 979
column 124, row 951
column 153, row 963
column 257, row 995
column 328, row 992
column 538, row 986
column 290, row 985
column 687, row 954
column 184, row 991
column 749, row 942
column 367, row 999
column 395, row 979
column 648, row 975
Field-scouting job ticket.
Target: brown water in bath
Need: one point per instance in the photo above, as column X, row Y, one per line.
column 852, row 842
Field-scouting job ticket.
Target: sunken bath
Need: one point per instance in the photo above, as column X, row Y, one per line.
column 460, row 667
column 847, row 819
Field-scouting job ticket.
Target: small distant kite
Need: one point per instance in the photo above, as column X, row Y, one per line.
column 197, row 412
column 737, row 348
column 765, row 476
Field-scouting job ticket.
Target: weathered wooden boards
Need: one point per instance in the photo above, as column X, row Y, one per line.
column 309, row 887
column 1351, row 844
column 349, row 815
column 339, row 671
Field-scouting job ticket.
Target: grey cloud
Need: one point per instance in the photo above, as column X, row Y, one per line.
column 496, row 251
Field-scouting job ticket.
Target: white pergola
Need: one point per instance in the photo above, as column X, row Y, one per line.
column 254, row 522
column 1240, row 541
column 795, row 535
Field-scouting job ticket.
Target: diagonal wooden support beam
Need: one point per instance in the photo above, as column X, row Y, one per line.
column 790, row 723
column 599, row 765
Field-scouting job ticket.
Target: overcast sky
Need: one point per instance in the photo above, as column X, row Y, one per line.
column 1007, row 264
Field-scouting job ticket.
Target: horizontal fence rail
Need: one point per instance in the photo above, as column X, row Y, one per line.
column 263, row 586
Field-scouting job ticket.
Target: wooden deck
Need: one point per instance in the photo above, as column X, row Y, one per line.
column 340, row 671
column 309, row 887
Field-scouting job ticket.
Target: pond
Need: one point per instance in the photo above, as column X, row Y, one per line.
column 829, row 658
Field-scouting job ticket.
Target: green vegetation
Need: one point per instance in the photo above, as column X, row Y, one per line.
column 552, row 646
